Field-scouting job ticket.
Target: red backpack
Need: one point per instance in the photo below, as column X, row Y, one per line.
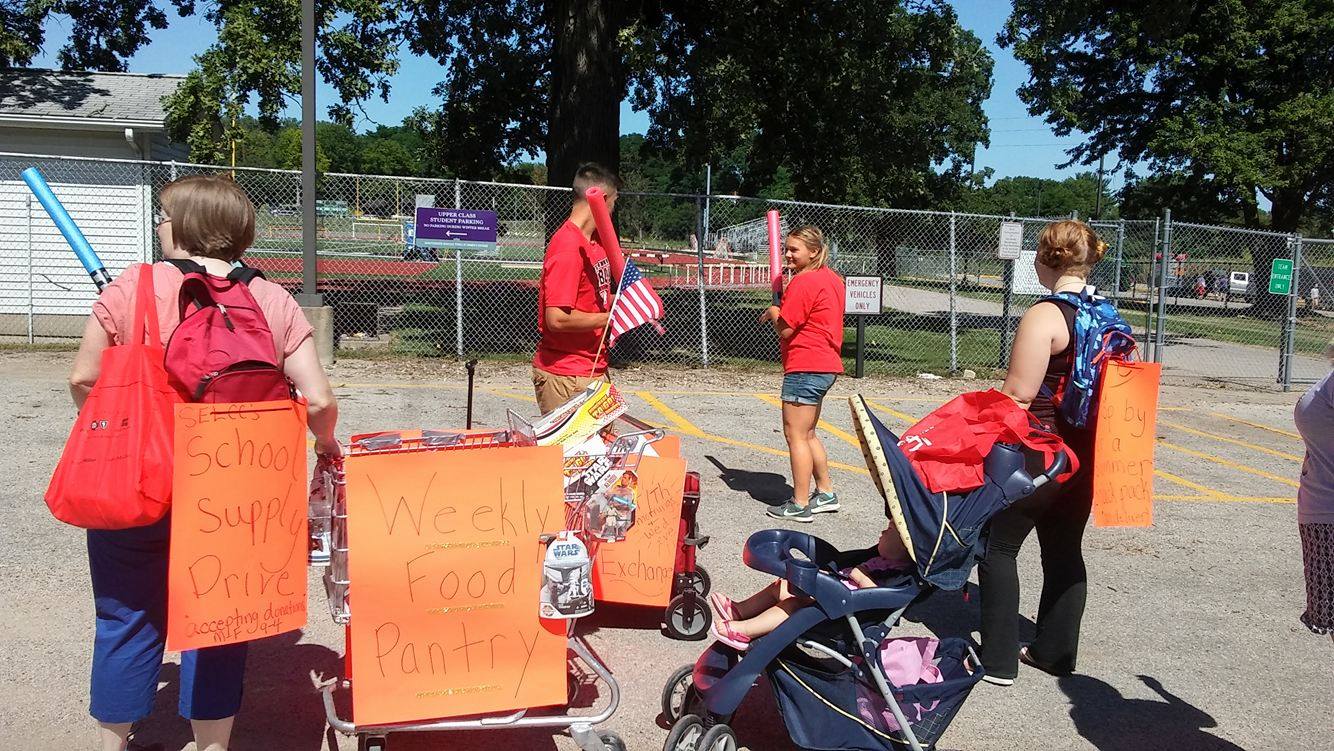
column 222, row 351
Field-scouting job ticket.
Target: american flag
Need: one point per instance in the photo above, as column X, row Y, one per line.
column 637, row 304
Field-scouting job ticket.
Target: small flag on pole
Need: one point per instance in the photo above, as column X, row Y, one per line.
column 636, row 305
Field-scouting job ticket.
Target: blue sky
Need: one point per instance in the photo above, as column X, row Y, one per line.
column 1020, row 144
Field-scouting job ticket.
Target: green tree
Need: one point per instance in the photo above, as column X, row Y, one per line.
column 287, row 150
column 858, row 101
column 341, row 144
column 1034, row 196
column 1236, row 95
column 102, row 35
column 385, row 156
column 257, row 60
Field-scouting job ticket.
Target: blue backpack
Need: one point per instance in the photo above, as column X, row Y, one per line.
column 1100, row 334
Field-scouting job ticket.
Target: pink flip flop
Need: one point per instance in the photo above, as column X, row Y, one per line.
column 723, row 606
column 723, row 632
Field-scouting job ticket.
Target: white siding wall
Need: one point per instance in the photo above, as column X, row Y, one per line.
column 110, row 202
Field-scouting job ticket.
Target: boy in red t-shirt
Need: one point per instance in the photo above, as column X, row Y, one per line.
column 573, row 299
column 810, row 331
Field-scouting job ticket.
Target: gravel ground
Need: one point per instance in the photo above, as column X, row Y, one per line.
column 1191, row 639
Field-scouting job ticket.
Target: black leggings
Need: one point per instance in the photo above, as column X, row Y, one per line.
column 1059, row 515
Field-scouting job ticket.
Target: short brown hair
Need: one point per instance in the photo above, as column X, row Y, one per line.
column 1070, row 245
column 210, row 216
column 592, row 173
column 813, row 238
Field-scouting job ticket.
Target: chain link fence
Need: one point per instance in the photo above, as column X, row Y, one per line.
column 949, row 302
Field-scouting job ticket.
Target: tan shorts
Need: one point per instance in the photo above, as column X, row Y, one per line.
column 553, row 390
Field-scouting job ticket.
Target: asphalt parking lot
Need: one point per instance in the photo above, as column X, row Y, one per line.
column 1191, row 639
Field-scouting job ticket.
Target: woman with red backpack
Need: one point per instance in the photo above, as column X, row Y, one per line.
column 205, row 225
column 1042, row 362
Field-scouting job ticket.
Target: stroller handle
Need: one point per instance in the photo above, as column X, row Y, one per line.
column 1056, row 469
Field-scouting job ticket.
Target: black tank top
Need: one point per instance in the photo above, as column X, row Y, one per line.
column 1058, row 367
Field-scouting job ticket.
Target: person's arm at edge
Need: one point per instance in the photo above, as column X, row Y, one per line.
column 571, row 319
column 1033, row 345
column 773, row 315
column 304, row 368
column 88, row 362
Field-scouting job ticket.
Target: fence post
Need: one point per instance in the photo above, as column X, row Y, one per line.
column 1120, row 255
column 1149, row 284
column 27, row 223
column 1007, row 281
column 1161, row 323
column 458, row 281
column 1290, row 323
column 954, row 312
column 703, row 239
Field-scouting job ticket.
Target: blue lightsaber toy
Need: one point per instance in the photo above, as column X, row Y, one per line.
column 91, row 263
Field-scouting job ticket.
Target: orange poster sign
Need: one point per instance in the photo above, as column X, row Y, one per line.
column 445, row 564
column 668, row 446
column 237, row 566
column 639, row 569
column 1123, row 445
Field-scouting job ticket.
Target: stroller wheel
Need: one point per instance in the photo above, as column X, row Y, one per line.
column 688, row 617
column 697, row 580
column 676, row 693
column 611, row 741
column 718, row 738
column 686, row 735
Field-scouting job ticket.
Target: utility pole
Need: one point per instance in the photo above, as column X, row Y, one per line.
column 310, row 296
column 1097, row 201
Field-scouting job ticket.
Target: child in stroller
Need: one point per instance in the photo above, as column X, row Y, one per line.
column 825, row 658
column 740, row 622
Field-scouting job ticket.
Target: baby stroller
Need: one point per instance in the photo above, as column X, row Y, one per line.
column 827, row 654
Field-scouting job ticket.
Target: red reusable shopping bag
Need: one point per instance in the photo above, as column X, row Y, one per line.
column 948, row 446
column 115, row 471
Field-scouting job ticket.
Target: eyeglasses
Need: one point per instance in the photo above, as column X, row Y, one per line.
column 160, row 218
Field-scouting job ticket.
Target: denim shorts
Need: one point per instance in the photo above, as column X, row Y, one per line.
column 807, row 388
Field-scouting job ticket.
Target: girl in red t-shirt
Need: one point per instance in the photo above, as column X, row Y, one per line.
column 810, row 331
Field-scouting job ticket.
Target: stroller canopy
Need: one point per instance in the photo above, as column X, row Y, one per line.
column 944, row 533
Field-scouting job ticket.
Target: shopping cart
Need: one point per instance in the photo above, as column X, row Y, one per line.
column 329, row 547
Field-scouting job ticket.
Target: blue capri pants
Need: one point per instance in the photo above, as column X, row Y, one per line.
column 129, row 573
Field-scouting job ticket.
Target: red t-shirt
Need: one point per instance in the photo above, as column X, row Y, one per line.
column 813, row 306
column 576, row 275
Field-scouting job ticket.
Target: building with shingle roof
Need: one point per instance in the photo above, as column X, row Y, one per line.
column 82, row 113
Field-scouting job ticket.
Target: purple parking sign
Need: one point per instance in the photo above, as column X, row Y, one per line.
column 456, row 228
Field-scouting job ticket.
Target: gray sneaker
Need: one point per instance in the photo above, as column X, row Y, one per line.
column 823, row 502
column 791, row 511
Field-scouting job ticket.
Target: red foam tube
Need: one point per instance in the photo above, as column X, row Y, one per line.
column 597, row 201
column 775, row 254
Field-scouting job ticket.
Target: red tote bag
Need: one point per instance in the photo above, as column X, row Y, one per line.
column 115, row 471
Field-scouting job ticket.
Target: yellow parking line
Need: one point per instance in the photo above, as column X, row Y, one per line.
column 907, row 418
column 1256, row 425
column 445, row 386
column 678, row 422
column 508, row 394
column 1228, row 463
column 842, row 435
column 1224, row 439
column 686, row 427
column 1183, row 482
column 1225, row 499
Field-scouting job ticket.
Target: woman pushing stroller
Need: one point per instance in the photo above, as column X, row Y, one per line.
column 1045, row 356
